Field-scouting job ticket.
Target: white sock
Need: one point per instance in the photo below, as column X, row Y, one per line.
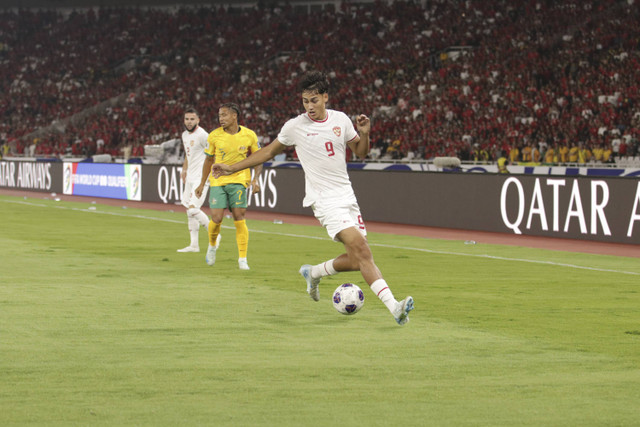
column 203, row 219
column 199, row 216
column 324, row 269
column 382, row 291
column 193, row 232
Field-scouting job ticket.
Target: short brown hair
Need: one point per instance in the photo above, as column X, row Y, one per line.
column 191, row 110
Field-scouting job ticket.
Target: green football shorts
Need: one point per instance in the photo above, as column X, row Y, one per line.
column 228, row 196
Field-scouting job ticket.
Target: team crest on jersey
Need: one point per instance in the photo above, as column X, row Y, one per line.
column 242, row 149
column 337, row 130
column 192, row 142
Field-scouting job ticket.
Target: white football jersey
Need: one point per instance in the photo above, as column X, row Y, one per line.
column 194, row 145
column 321, row 148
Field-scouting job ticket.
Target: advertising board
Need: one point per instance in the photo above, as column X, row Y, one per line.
column 114, row 181
column 31, row 176
column 577, row 207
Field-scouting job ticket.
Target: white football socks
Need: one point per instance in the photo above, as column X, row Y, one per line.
column 379, row 287
column 203, row 219
column 199, row 216
column 382, row 291
column 193, row 231
column 195, row 219
column 324, row 269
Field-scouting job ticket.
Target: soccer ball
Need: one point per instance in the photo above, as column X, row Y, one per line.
column 348, row 298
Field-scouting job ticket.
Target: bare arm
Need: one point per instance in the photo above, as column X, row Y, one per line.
column 255, row 183
column 360, row 145
column 206, row 170
column 257, row 158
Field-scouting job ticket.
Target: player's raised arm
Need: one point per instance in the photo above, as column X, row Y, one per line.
column 360, row 146
column 255, row 159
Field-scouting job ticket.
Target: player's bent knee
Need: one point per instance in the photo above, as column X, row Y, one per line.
column 216, row 217
column 192, row 212
column 238, row 214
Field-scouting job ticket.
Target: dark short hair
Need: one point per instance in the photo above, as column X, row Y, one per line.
column 191, row 110
column 232, row 106
column 314, row 81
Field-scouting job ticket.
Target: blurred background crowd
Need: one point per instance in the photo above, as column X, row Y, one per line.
column 534, row 81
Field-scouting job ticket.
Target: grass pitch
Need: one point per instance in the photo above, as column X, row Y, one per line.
column 103, row 323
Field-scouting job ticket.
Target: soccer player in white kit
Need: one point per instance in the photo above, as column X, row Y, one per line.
column 194, row 139
column 321, row 137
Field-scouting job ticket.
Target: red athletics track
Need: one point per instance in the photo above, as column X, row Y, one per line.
column 570, row 245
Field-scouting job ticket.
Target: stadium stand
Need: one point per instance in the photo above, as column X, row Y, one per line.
column 439, row 78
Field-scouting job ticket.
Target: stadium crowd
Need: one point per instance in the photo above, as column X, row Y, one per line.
column 545, row 81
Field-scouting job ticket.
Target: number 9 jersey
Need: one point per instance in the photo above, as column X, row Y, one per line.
column 322, row 148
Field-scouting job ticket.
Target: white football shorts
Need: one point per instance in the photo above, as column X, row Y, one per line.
column 188, row 196
column 336, row 218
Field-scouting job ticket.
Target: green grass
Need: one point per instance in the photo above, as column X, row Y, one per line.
column 103, row 323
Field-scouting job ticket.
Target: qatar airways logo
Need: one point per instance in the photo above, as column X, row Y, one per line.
column 268, row 195
column 169, row 185
column 557, row 213
column 34, row 175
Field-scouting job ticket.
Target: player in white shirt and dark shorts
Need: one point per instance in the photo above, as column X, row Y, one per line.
column 194, row 140
column 321, row 137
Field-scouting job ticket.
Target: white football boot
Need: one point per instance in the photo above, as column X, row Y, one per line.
column 243, row 264
column 401, row 313
column 192, row 248
column 210, row 257
column 312, row 284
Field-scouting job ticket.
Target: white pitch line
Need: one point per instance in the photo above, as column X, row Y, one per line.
column 557, row 264
column 533, row 261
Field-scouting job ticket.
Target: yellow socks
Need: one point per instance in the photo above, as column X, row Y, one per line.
column 214, row 230
column 242, row 237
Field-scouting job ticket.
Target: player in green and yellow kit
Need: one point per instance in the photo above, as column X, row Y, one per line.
column 229, row 144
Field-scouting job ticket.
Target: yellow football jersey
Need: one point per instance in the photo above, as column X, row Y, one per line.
column 230, row 149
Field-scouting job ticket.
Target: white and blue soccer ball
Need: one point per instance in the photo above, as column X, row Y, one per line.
column 348, row 298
